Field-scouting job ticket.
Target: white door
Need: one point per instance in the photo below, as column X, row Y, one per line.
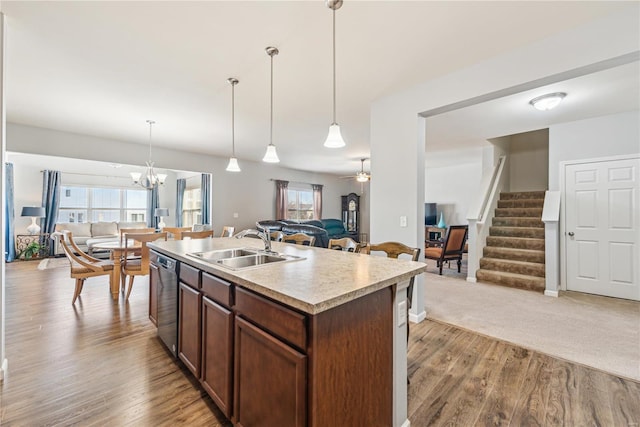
column 602, row 213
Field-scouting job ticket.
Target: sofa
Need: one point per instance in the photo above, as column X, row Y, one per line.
column 322, row 230
column 86, row 234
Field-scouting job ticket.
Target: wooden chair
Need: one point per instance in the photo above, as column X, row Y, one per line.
column 124, row 231
column 452, row 247
column 82, row 265
column 227, row 231
column 196, row 234
column 175, row 231
column 344, row 244
column 138, row 267
column 395, row 249
column 299, row 239
column 276, row 236
column 363, row 248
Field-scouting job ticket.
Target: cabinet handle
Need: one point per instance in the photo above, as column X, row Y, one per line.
column 570, row 234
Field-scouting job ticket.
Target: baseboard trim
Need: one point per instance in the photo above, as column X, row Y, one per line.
column 471, row 279
column 406, row 423
column 551, row 293
column 417, row 318
column 3, row 369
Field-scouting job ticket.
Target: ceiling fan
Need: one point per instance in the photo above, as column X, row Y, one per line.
column 361, row 176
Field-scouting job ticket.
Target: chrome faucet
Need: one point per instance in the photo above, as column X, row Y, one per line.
column 262, row 234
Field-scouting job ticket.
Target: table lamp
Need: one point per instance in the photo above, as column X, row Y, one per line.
column 33, row 212
column 160, row 212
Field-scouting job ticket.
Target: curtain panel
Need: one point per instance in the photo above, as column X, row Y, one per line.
column 51, row 183
column 181, row 187
column 153, row 202
column 317, row 201
column 281, row 199
column 205, row 192
column 9, row 214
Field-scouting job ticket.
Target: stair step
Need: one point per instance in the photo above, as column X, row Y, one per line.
column 533, row 232
column 527, row 255
column 522, row 195
column 516, row 242
column 509, row 266
column 520, row 212
column 521, row 203
column 510, row 221
column 519, row 281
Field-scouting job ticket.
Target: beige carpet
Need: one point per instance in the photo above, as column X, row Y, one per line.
column 600, row 332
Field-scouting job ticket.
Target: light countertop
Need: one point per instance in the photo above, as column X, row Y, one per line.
column 323, row 280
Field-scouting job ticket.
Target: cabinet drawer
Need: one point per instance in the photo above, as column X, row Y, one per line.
column 216, row 289
column 190, row 275
column 280, row 321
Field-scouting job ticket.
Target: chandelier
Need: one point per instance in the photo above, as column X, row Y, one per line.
column 149, row 178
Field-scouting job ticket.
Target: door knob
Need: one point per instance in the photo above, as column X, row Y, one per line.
column 570, row 234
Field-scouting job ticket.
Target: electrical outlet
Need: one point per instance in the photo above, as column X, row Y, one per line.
column 402, row 313
column 403, row 221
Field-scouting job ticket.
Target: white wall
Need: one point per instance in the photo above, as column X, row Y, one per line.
column 452, row 180
column 592, row 138
column 250, row 193
column 529, row 161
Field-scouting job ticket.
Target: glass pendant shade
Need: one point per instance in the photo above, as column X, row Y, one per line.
column 334, row 139
column 233, row 165
column 271, row 156
column 362, row 177
column 135, row 176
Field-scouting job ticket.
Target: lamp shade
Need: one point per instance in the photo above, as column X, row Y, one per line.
column 33, row 211
column 271, row 156
column 162, row 212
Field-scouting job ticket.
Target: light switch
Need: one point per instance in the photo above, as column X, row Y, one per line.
column 403, row 221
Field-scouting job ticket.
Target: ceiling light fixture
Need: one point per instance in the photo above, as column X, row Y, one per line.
column 233, row 162
column 548, row 101
column 334, row 139
column 362, row 176
column 150, row 178
column 271, row 156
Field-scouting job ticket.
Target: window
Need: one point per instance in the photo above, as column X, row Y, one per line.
column 97, row 204
column 192, row 207
column 300, row 204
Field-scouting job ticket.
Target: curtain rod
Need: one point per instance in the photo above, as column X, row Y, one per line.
column 92, row 174
column 293, row 182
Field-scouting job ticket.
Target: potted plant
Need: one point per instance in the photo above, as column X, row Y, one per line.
column 31, row 251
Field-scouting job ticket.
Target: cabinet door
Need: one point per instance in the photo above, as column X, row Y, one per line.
column 153, row 294
column 270, row 380
column 189, row 331
column 217, row 353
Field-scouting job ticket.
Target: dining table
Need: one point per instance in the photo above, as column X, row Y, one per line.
column 117, row 249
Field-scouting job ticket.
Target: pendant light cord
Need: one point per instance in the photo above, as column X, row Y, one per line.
column 233, row 121
column 334, row 66
column 271, row 117
column 151, row 122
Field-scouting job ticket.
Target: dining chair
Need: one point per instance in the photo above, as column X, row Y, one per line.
column 138, row 267
column 227, row 231
column 452, row 248
column 363, row 248
column 344, row 244
column 124, row 231
column 175, row 231
column 276, row 236
column 299, row 239
column 196, row 234
column 394, row 250
column 82, row 265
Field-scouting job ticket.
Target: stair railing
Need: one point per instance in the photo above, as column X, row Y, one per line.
column 481, row 214
column 551, row 219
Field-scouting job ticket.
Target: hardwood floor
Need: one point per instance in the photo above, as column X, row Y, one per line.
column 99, row 363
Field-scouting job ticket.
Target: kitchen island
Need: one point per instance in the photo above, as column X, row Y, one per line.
column 318, row 341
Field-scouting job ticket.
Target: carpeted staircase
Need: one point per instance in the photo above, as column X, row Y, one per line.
column 514, row 254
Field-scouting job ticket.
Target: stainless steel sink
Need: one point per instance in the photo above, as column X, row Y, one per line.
column 242, row 258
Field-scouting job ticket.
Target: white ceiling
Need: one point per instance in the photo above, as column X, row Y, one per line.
column 103, row 68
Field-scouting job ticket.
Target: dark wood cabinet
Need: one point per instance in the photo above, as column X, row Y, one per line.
column 189, row 327
column 270, row 379
column 217, row 353
column 153, row 294
column 351, row 213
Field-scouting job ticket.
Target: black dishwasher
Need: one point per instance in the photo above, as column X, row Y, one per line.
column 168, row 302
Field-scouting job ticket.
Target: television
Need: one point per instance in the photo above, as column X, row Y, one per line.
column 430, row 214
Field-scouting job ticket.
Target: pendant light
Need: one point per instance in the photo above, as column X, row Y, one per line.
column 149, row 178
column 271, row 156
column 334, row 139
column 233, row 162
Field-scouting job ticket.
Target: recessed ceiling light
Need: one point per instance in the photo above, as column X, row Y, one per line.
column 548, row 101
